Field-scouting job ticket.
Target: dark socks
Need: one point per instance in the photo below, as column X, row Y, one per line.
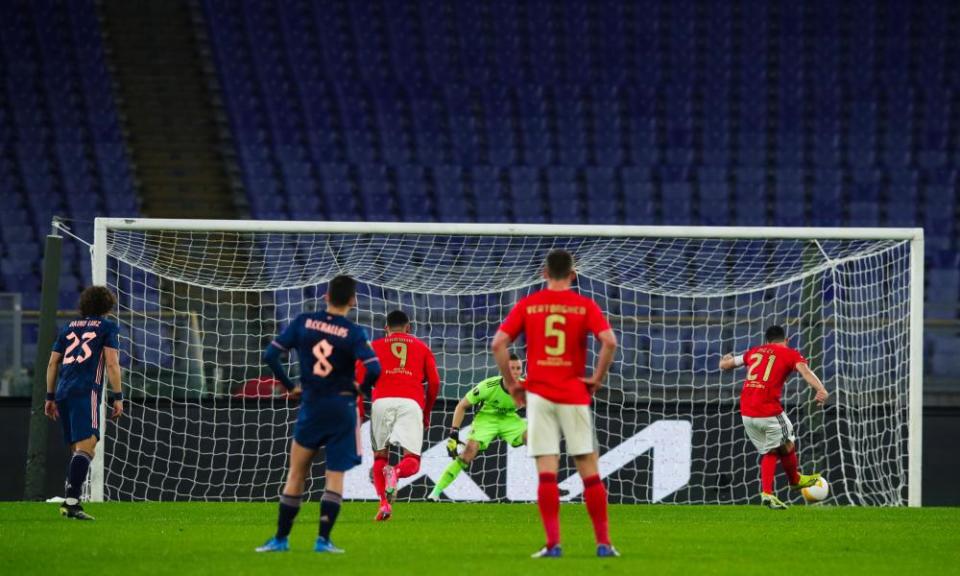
column 329, row 509
column 289, row 507
column 76, row 475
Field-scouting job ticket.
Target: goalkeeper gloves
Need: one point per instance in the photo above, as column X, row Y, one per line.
column 453, row 442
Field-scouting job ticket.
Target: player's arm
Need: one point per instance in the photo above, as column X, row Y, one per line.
column 364, row 353
column 459, row 413
column 509, row 330
column 272, row 355
column 598, row 324
column 813, row 382
column 501, row 355
column 277, row 349
column 115, row 398
column 608, row 347
column 477, row 394
column 433, row 387
column 730, row 362
column 53, row 369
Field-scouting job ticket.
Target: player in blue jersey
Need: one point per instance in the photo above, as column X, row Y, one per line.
column 328, row 346
column 85, row 349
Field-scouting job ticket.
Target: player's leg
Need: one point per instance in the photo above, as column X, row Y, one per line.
column 329, row 510
column 301, row 458
column 343, row 453
column 483, row 430
column 459, row 464
column 409, row 464
column 765, row 435
column 787, row 453
column 544, row 445
column 381, row 423
column 791, row 467
column 576, row 422
column 380, row 459
column 513, row 430
column 407, row 432
column 82, row 430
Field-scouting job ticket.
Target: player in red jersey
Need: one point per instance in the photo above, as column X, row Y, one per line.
column 556, row 322
column 766, row 423
column 400, row 410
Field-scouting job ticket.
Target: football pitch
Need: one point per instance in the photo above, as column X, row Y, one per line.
column 463, row 539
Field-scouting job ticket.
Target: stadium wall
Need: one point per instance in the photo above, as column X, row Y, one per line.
column 707, row 480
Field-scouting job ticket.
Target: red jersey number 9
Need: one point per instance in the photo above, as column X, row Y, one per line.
column 322, row 351
column 399, row 351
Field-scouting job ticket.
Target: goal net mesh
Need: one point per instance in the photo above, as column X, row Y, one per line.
column 196, row 309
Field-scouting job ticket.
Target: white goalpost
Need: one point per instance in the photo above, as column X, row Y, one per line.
column 200, row 299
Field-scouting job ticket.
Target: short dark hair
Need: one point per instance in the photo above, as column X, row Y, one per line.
column 559, row 264
column 514, row 357
column 397, row 319
column 341, row 290
column 96, row 301
column 775, row 334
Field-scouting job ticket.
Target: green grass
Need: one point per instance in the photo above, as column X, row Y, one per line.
column 463, row 539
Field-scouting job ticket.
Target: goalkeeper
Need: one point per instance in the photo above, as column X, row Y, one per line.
column 496, row 417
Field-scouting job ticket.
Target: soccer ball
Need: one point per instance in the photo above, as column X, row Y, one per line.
column 818, row 492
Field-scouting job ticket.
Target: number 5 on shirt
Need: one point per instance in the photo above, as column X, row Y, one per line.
column 551, row 331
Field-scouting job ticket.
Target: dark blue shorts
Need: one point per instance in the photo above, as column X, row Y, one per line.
column 330, row 421
column 80, row 417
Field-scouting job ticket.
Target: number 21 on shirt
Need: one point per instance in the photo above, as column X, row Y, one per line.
column 755, row 360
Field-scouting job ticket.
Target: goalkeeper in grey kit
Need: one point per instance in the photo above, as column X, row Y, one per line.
column 496, row 418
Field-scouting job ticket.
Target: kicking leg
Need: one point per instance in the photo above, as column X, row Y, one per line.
column 788, row 459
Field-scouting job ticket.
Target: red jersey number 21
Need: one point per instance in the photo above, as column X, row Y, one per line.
column 755, row 360
column 322, row 351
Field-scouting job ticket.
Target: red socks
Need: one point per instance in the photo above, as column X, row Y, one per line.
column 768, row 468
column 378, row 481
column 408, row 466
column 790, row 465
column 595, row 495
column 548, row 500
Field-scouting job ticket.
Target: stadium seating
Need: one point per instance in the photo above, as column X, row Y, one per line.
column 61, row 148
column 569, row 112
column 603, row 113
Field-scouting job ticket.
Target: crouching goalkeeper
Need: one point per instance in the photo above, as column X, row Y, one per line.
column 496, row 417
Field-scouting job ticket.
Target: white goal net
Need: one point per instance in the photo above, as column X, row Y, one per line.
column 198, row 302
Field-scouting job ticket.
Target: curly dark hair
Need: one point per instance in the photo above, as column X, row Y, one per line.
column 96, row 301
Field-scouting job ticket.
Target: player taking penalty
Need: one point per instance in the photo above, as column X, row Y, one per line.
column 556, row 321
column 764, row 419
column 400, row 410
column 82, row 352
column 496, row 418
column 328, row 346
